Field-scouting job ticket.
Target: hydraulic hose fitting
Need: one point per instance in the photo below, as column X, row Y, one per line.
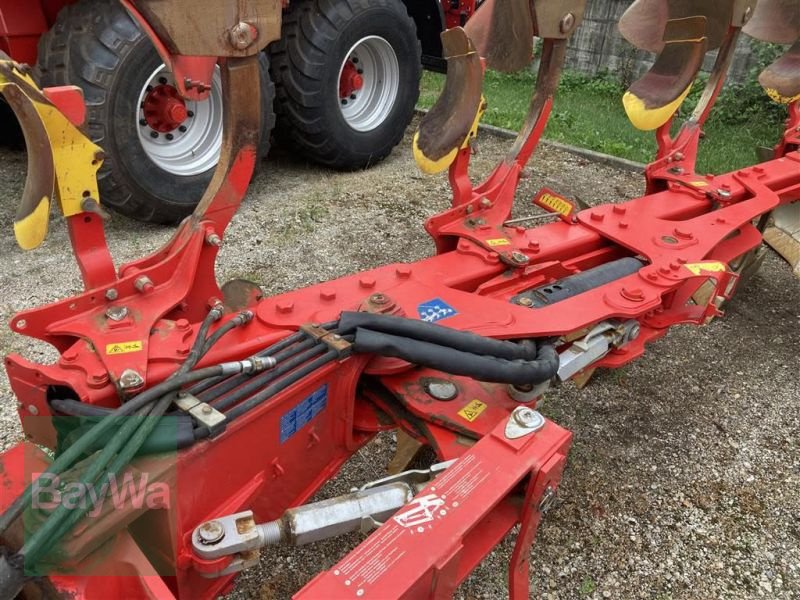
column 256, row 364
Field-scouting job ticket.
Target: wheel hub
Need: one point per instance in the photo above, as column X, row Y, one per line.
column 351, row 80
column 368, row 83
column 164, row 109
column 182, row 137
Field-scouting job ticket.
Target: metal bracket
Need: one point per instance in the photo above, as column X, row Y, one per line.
column 595, row 345
column 332, row 339
column 204, row 413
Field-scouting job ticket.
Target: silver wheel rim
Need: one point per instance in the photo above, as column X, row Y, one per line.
column 380, row 70
column 195, row 147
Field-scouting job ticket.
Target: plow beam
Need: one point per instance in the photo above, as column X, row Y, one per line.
column 430, row 545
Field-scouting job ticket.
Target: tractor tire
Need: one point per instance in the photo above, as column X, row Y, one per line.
column 154, row 170
column 347, row 77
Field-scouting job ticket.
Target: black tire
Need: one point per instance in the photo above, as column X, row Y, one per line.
column 97, row 46
column 306, row 61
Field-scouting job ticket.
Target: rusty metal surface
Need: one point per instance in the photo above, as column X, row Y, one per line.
column 557, row 19
column 644, row 24
column 674, row 70
column 776, row 21
column 445, row 127
column 40, row 182
column 239, row 294
column 213, row 28
column 781, row 79
column 502, row 31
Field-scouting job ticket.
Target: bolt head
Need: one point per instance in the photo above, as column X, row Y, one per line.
column 211, row 532
column 441, row 389
column 378, row 299
column 242, row 35
column 116, row 313
column 567, row 23
column 130, row 379
column 111, row 294
column 526, row 417
column 519, row 258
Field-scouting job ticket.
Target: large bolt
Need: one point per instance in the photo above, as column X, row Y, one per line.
column 526, row 417
column 130, row 379
column 242, row 35
column 441, row 389
column 379, row 299
column 519, row 258
column 116, row 313
column 567, row 23
column 210, row 532
column 144, row 284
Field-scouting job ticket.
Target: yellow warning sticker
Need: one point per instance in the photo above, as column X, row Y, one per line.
column 700, row 183
column 123, row 347
column 498, row 242
column 472, row 410
column 551, row 201
column 708, row 267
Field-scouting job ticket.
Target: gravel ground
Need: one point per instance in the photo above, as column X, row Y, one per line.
column 684, row 477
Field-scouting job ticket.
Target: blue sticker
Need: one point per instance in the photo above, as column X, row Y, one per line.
column 295, row 418
column 435, row 310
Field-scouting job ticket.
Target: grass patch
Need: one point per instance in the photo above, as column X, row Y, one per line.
column 588, row 112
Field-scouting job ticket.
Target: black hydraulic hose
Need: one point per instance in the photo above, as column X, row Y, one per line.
column 458, row 362
column 75, row 451
column 240, row 319
column 230, row 383
column 199, row 348
column 436, row 334
column 174, row 432
column 58, row 520
column 281, row 384
column 202, row 386
column 63, row 519
column 256, row 383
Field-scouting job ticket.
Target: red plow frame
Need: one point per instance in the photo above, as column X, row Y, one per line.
column 133, row 327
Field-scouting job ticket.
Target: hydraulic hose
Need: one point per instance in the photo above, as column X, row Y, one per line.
column 81, row 446
column 226, row 385
column 174, row 432
column 458, row 362
column 282, row 384
column 240, row 319
column 256, row 383
column 436, row 334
